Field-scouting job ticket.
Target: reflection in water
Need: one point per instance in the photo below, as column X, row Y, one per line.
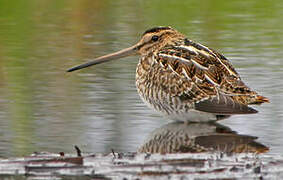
column 179, row 137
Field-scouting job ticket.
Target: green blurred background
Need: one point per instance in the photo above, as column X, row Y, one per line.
column 42, row 108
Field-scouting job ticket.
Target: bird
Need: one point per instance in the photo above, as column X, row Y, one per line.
column 185, row 80
column 179, row 137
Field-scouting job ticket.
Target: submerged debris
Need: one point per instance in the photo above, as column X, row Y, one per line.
column 140, row 166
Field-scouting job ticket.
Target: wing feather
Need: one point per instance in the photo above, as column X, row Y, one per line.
column 223, row 105
column 207, row 69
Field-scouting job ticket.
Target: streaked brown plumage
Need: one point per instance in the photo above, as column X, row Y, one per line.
column 178, row 137
column 185, row 80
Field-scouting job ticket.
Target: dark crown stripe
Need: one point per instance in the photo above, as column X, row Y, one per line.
column 156, row 29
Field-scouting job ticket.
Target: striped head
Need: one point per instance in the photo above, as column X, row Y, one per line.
column 156, row 38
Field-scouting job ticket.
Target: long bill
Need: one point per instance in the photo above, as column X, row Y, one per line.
column 117, row 55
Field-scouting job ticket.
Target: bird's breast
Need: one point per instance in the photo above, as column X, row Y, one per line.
column 162, row 89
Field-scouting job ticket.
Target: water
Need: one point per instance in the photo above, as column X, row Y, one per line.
column 42, row 108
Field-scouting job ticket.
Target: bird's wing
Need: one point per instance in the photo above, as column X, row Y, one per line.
column 223, row 105
column 213, row 82
column 203, row 65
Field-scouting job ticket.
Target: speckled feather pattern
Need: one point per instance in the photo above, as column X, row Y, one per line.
column 180, row 73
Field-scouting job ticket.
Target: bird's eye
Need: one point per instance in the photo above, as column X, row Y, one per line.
column 154, row 38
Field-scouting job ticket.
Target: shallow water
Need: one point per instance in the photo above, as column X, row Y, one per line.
column 42, row 108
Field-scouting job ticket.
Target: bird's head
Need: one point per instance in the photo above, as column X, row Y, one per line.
column 156, row 38
column 152, row 40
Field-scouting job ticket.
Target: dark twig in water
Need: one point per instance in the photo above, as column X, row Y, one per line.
column 79, row 153
column 113, row 153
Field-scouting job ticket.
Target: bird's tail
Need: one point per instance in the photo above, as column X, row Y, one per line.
column 260, row 99
column 251, row 99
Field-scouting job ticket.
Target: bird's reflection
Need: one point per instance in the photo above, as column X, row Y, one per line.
column 180, row 137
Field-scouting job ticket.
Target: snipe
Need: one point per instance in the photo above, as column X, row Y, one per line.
column 184, row 79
